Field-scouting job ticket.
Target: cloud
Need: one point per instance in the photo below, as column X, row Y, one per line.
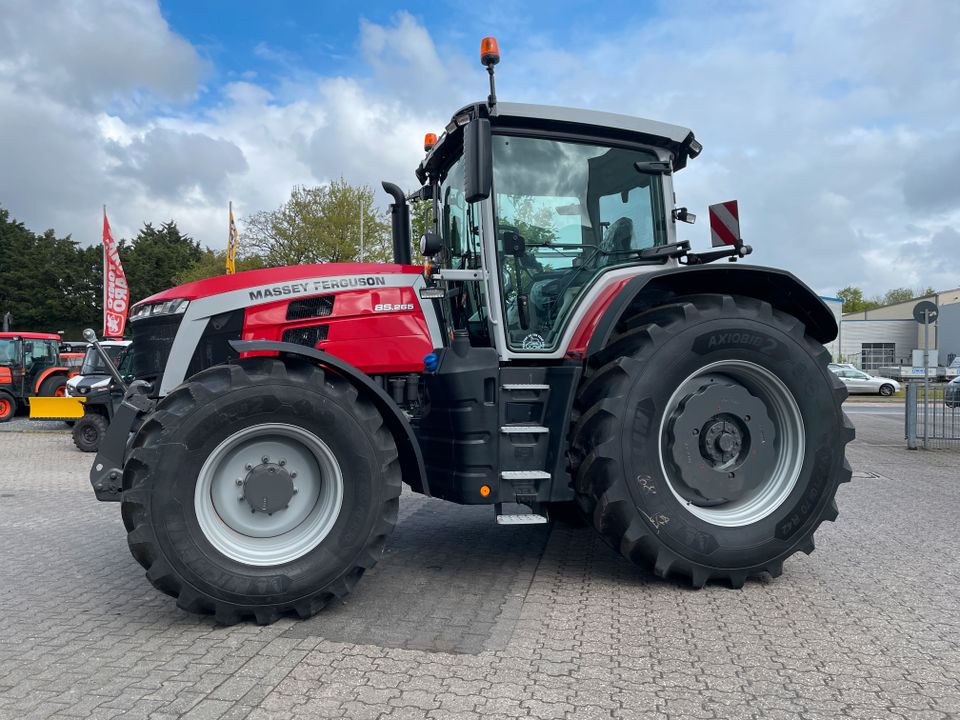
column 833, row 124
column 173, row 164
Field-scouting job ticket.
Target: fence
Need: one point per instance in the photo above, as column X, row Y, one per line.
column 932, row 419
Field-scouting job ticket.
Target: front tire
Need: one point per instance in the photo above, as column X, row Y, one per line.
column 886, row 390
column 8, row 407
column 710, row 439
column 88, row 432
column 261, row 488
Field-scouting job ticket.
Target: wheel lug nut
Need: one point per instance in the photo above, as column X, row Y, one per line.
column 293, row 474
column 265, row 459
column 283, row 461
column 731, row 475
column 696, row 432
column 295, row 491
column 239, row 482
column 240, row 499
column 248, row 466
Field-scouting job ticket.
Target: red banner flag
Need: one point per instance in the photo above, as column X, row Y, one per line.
column 116, row 295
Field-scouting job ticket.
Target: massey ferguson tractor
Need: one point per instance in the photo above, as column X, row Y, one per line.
column 560, row 352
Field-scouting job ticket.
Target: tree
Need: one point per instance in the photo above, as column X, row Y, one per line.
column 156, row 257
column 213, row 263
column 321, row 225
column 897, row 295
column 853, row 300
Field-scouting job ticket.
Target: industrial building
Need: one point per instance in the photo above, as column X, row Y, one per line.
column 887, row 336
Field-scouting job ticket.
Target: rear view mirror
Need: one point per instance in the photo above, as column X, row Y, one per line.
column 477, row 160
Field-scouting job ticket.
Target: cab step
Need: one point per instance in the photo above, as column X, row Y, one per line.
column 528, row 429
column 517, row 514
column 511, row 387
column 525, row 475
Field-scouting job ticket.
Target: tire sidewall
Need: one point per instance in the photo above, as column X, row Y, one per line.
column 194, row 438
column 671, row 363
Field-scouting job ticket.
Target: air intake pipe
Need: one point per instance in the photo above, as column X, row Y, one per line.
column 400, row 222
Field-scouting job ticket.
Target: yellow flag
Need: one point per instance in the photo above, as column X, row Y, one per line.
column 232, row 245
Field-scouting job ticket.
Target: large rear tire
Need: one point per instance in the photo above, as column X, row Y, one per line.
column 710, row 439
column 54, row 386
column 261, row 488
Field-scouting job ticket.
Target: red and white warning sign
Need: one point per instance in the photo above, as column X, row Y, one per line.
column 725, row 223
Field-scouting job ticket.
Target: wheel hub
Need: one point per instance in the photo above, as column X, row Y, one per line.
column 722, row 443
column 268, row 488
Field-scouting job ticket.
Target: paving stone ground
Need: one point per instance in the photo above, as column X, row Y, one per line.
column 463, row 619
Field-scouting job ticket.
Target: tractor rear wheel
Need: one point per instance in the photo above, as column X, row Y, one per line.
column 710, row 439
column 88, row 431
column 53, row 386
column 261, row 488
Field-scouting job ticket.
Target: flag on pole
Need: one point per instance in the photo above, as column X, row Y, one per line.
column 232, row 245
column 116, row 294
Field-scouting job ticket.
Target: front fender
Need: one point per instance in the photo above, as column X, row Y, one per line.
column 781, row 289
column 410, row 456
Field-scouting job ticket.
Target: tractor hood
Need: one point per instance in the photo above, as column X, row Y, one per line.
column 273, row 276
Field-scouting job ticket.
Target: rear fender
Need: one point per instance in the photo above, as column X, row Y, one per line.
column 411, row 458
column 778, row 287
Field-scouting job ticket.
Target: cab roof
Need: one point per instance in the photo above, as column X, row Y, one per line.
column 29, row 336
column 553, row 119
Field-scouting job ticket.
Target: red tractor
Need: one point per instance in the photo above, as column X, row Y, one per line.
column 30, row 365
column 561, row 352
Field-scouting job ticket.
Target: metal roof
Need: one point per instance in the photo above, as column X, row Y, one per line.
column 597, row 118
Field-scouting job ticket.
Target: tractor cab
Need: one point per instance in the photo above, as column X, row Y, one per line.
column 30, row 365
column 532, row 204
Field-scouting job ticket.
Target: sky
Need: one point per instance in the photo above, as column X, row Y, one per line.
column 836, row 125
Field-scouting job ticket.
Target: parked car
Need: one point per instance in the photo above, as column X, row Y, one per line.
column 951, row 393
column 859, row 382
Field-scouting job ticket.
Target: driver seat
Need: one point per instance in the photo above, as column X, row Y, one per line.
column 617, row 240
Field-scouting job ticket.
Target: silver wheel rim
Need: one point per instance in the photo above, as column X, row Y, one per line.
column 788, row 445
column 252, row 537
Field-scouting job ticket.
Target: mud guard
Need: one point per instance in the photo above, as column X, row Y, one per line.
column 48, row 373
column 781, row 289
column 411, row 458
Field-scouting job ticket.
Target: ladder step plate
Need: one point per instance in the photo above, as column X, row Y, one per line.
column 527, row 519
column 529, row 429
column 525, row 386
column 525, row 475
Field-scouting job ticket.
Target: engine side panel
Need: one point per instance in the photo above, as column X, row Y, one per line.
column 377, row 331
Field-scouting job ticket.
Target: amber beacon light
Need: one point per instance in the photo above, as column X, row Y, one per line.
column 429, row 140
column 489, row 51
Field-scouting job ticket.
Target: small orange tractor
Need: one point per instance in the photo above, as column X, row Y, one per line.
column 30, row 366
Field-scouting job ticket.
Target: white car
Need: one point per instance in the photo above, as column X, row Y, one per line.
column 859, row 382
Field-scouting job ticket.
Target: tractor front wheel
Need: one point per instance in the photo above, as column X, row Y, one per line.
column 8, row 407
column 261, row 488
column 710, row 439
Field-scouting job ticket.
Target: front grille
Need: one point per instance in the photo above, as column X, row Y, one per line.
column 152, row 340
column 214, row 346
column 308, row 336
column 319, row 306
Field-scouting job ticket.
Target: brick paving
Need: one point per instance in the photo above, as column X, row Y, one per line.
column 463, row 619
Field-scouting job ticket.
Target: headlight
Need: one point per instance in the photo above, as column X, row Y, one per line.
column 83, row 390
column 167, row 307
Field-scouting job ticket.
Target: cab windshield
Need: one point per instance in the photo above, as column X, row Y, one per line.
column 93, row 364
column 565, row 212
